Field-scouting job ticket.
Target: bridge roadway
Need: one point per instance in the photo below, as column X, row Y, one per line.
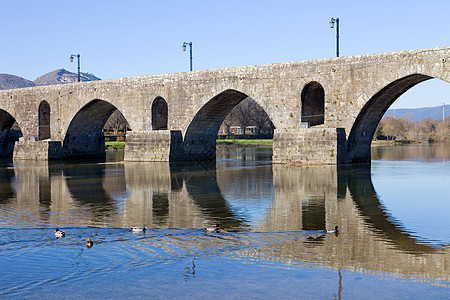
column 176, row 117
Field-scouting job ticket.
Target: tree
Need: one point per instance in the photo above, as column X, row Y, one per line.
column 396, row 128
column 379, row 131
column 116, row 122
column 248, row 113
column 443, row 131
column 418, row 133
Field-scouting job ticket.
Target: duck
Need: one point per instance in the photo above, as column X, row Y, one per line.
column 335, row 230
column 59, row 233
column 138, row 229
column 89, row 243
column 215, row 229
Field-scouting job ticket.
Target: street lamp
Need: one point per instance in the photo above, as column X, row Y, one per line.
column 443, row 112
column 337, row 33
column 71, row 60
column 190, row 48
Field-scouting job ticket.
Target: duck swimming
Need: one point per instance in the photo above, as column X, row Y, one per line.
column 215, row 229
column 335, row 230
column 59, row 233
column 89, row 243
column 138, row 229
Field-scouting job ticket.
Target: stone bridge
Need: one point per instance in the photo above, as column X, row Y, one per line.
column 324, row 111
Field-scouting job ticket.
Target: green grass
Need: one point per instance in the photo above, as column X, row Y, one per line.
column 244, row 142
column 116, row 145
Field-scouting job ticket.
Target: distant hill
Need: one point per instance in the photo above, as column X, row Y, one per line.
column 419, row 114
column 8, row 81
column 63, row 76
column 59, row 76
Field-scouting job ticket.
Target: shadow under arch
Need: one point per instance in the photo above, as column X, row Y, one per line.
column 9, row 134
column 313, row 103
column 159, row 114
column 363, row 129
column 358, row 181
column 84, row 137
column 200, row 139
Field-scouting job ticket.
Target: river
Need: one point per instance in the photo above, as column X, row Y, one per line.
column 394, row 239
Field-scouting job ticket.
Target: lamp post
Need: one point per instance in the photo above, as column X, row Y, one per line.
column 190, row 48
column 71, row 60
column 337, row 33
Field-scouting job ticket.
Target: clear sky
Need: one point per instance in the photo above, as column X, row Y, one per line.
column 132, row 38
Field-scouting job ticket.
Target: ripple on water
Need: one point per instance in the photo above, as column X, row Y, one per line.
column 37, row 257
column 44, row 262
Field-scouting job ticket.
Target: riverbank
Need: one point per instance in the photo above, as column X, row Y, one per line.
column 394, row 142
column 241, row 142
column 111, row 146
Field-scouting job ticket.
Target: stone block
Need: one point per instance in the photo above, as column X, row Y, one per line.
column 157, row 145
column 309, row 146
column 37, row 150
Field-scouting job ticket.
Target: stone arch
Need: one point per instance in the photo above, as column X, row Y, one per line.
column 84, row 137
column 200, row 137
column 365, row 124
column 44, row 120
column 159, row 114
column 9, row 133
column 313, row 103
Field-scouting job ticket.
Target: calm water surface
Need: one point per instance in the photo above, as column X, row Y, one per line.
column 393, row 216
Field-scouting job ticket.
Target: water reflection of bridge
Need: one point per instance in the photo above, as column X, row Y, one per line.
column 163, row 195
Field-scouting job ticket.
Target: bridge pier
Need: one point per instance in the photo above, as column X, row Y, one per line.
column 37, row 150
column 156, row 145
column 309, row 145
column 305, row 145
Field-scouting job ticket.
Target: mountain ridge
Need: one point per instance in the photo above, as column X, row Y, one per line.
column 59, row 76
column 419, row 114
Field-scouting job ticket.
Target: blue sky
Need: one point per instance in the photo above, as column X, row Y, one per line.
column 132, row 38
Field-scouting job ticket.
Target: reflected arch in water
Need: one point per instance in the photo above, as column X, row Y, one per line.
column 201, row 185
column 95, row 188
column 84, row 137
column 6, row 189
column 357, row 181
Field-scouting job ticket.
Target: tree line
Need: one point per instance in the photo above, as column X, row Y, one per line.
column 427, row 131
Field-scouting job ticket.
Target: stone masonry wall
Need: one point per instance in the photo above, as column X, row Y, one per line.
column 309, row 145
column 37, row 150
column 158, row 145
